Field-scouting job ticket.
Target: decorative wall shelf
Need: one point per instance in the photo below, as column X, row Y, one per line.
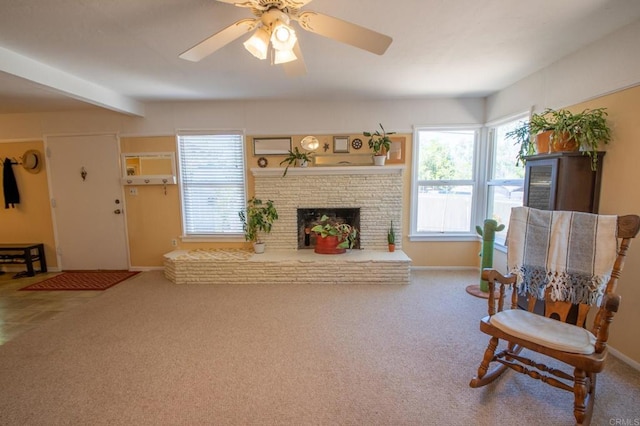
column 149, row 180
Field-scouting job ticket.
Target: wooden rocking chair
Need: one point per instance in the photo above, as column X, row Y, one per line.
column 549, row 334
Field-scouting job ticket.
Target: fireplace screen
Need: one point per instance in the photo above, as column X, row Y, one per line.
column 308, row 218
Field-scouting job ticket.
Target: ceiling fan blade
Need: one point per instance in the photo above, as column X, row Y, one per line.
column 239, row 3
column 295, row 68
column 295, row 4
column 219, row 40
column 345, row 32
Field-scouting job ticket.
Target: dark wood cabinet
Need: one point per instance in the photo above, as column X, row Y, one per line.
column 562, row 181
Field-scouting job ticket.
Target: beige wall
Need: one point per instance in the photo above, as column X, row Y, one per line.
column 619, row 195
column 30, row 221
column 153, row 218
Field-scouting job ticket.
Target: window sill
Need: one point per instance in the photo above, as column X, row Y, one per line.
column 444, row 237
column 212, row 239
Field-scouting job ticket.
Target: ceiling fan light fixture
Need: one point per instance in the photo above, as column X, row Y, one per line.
column 258, row 43
column 283, row 37
column 284, row 56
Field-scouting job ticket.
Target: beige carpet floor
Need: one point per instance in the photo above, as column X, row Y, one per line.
column 148, row 352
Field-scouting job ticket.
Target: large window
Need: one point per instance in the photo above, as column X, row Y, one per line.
column 445, row 182
column 505, row 184
column 212, row 183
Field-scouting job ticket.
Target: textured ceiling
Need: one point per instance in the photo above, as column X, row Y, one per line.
column 69, row 54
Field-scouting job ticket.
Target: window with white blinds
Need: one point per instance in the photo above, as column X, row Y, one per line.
column 212, row 182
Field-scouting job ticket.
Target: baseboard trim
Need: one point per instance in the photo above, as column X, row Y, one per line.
column 146, row 268
column 445, row 268
column 622, row 357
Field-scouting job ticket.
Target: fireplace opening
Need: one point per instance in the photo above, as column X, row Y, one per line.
column 310, row 217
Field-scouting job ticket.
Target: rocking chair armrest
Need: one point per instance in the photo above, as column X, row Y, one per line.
column 608, row 308
column 492, row 277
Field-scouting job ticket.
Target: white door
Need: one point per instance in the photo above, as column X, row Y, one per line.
column 87, row 202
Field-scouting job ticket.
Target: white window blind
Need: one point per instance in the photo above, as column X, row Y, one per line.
column 212, row 180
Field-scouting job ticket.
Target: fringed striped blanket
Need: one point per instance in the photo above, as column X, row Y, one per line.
column 572, row 253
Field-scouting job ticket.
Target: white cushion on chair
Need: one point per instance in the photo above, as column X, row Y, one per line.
column 545, row 331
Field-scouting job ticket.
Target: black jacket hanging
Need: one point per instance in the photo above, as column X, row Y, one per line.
column 9, row 185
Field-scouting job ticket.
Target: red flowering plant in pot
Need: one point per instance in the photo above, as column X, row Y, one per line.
column 334, row 237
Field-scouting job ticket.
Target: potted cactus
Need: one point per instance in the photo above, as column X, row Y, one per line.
column 391, row 238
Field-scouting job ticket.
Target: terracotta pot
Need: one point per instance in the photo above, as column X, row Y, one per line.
column 392, row 247
column 543, row 142
column 562, row 143
column 328, row 245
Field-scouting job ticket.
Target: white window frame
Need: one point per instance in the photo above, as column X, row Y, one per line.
column 477, row 183
column 490, row 169
column 234, row 235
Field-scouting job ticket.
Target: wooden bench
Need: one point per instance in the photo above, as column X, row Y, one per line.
column 26, row 254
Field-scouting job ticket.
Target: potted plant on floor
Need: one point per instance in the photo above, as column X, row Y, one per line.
column 333, row 236
column 296, row 157
column 256, row 218
column 379, row 143
column 566, row 131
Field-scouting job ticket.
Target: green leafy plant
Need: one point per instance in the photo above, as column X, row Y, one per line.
column 257, row 217
column 379, row 140
column 588, row 129
column 391, row 235
column 346, row 233
column 293, row 156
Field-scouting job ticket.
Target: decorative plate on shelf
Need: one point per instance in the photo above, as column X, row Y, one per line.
column 356, row 143
column 262, row 162
column 310, row 143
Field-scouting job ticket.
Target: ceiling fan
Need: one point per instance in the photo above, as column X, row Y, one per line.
column 275, row 38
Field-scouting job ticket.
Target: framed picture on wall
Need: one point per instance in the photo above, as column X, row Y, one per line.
column 271, row 146
column 341, row 144
column 396, row 152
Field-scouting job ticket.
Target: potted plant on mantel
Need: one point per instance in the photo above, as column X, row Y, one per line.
column 257, row 217
column 379, row 143
column 296, row 157
column 562, row 131
column 334, row 237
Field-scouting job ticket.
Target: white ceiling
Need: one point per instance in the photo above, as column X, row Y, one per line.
column 70, row 54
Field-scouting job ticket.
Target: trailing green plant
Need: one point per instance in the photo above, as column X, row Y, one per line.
column 257, row 217
column 391, row 235
column 588, row 128
column 293, row 156
column 379, row 141
column 347, row 234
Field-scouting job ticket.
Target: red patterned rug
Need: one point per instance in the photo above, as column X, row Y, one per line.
column 82, row 280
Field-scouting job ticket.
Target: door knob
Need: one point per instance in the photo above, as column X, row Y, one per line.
column 117, row 211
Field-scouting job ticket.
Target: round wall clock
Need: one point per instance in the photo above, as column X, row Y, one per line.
column 356, row 144
column 262, row 162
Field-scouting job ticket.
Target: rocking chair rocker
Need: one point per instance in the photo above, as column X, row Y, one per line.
column 565, row 260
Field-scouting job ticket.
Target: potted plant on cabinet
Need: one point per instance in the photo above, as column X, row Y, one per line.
column 391, row 238
column 334, row 237
column 296, row 157
column 566, row 131
column 257, row 217
column 379, row 143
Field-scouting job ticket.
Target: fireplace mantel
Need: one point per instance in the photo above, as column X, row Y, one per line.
column 329, row 170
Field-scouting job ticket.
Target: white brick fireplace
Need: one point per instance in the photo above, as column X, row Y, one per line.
column 376, row 191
